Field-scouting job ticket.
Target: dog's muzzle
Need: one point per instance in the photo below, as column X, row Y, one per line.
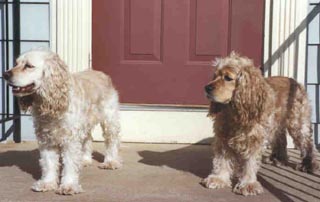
column 7, row 75
column 208, row 89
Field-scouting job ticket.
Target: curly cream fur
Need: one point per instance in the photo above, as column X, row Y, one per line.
column 65, row 108
column 251, row 111
column 54, row 98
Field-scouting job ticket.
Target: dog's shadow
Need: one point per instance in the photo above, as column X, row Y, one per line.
column 27, row 161
column 97, row 156
column 195, row 159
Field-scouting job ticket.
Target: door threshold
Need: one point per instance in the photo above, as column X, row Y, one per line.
column 162, row 125
column 155, row 107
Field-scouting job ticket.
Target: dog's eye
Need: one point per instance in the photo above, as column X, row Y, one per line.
column 227, row 78
column 28, row 66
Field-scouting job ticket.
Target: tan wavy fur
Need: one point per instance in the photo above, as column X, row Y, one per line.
column 250, row 112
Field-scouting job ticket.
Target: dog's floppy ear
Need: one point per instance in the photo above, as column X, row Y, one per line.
column 55, row 86
column 214, row 109
column 249, row 97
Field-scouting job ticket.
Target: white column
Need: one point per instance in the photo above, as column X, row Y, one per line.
column 71, row 32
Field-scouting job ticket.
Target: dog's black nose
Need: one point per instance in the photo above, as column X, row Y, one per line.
column 7, row 75
column 208, row 88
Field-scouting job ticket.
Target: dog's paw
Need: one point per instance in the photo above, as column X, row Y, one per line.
column 214, row 182
column 277, row 162
column 69, row 189
column 41, row 186
column 266, row 160
column 112, row 165
column 279, row 159
column 248, row 189
column 308, row 166
column 86, row 162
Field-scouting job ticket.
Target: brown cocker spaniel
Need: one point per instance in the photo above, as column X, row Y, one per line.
column 249, row 112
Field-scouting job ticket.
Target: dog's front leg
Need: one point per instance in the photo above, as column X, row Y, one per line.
column 49, row 162
column 72, row 163
column 220, row 176
column 248, row 184
column 221, row 170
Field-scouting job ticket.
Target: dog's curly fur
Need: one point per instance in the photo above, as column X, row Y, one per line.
column 250, row 111
column 65, row 108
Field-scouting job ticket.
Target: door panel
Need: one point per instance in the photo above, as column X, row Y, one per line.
column 208, row 29
column 159, row 51
column 139, row 28
column 246, row 28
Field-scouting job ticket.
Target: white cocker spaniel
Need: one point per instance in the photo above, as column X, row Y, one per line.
column 65, row 108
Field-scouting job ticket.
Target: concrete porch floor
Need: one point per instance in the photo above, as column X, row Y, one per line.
column 151, row 173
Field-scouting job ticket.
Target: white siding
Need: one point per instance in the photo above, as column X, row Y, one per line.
column 285, row 38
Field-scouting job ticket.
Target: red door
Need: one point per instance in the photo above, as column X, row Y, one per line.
column 159, row 51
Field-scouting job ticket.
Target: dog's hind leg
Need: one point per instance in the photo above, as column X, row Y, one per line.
column 299, row 127
column 111, row 130
column 279, row 148
column 87, row 151
column 302, row 137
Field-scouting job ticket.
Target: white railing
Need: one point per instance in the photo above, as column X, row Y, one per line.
column 285, row 38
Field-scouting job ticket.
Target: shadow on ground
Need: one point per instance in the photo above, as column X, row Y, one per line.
column 97, row 156
column 27, row 161
column 284, row 182
column 195, row 159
